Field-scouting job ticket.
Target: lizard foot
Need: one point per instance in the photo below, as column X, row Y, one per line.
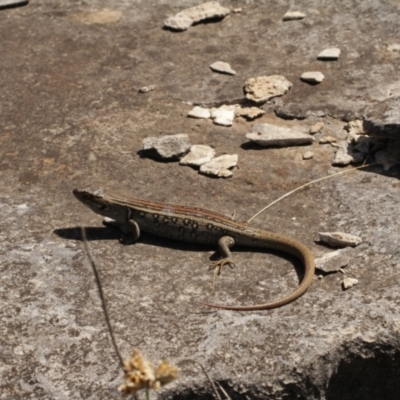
column 220, row 263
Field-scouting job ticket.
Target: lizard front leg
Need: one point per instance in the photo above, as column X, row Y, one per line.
column 130, row 229
column 224, row 244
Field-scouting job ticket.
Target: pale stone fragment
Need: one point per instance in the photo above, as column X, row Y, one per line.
column 198, row 155
column 263, row 88
column 293, row 15
column 220, row 166
column 334, row 261
column 312, row 76
column 339, row 239
column 167, row 147
column 308, row 155
column 199, row 112
column 249, row 112
column 146, row 89
column 271, row 135
column 355, row 128
column 223, row 67
column 327, row 140
column 331, row 53
column 237, row 10
column 316, row 128
column 343, row 155
column 186, row 18
column 223, row 115
column 349, row 282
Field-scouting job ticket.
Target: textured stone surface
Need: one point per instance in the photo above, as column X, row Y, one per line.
column 263, row 88
column 71, row 117
column 186, row 18
column 199, row 154
column 221, row 166
column 383, row 119
column 167, row 147
column 271, row 135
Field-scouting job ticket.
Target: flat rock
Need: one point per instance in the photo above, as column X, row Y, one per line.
column 271, row 135
column 220, row 166
column 198, row 155
column 383, row 119
column 293, row 15
column 223, row 115
column 327, row 140
column 343, row 155
column 186, row 18
column 316, row 128
column 335, row 260
column 331, row 53
column 263, row 88
column 249, row 113
column 312, row 77
column 12, row 3
column 170, row 147
column 199, row 112
column 222, row 67
column 339, row 239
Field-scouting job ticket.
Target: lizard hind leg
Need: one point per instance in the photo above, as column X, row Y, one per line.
column 224, row 245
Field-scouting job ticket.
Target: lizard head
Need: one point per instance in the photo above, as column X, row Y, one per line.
column 94, row 199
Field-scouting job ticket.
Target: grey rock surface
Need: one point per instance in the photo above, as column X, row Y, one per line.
column 383, row 119
column 169, row 147
column 186, row 18
column 272, row 135
column 71, row 117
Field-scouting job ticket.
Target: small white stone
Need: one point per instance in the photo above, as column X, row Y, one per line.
column 329, row 54
column 263, row 88
column 316, row 128
column 223, row 115
column 308, row 155
column 199, row 112
column 349, row 282
column 186, row 18
column 222, row 67
column 327, row 140
column 339, row 239
column 312, row 77
column 146, row 89
column 220, row 166
column 249, row 112
column 198, row 155
column 271, row 135
column 293, row 15
column 237, row 10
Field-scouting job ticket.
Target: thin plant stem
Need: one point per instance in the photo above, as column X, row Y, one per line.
column 307, row 184
column 102, row 298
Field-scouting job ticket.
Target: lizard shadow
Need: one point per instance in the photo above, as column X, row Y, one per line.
column 113, row 233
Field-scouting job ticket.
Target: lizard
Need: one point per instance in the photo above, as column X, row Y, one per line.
column 197, row 225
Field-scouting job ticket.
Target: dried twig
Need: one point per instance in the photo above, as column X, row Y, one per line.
column 212, row 383
column 102, row 298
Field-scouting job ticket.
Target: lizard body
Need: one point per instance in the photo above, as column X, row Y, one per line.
column 196, row 225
